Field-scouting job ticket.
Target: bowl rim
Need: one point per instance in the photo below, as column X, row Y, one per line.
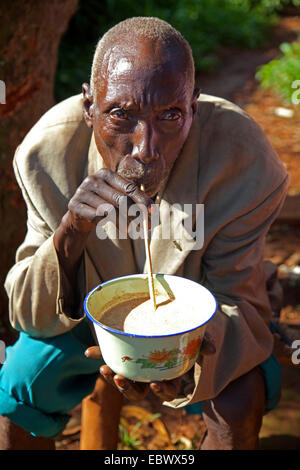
column 123, row 333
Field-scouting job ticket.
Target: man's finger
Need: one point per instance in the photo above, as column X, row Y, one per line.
column 107, row 374
column 93, row 352
column 134, row 391
column 127, row 187
column 166, row 390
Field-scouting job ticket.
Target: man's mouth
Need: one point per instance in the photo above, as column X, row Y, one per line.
column 131, row 169
column 136, row 171
column 150, row 176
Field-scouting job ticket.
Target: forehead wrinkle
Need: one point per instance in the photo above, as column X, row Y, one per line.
column 142, row 38
column 128, row 74
column 135, row 54
column 143, row 96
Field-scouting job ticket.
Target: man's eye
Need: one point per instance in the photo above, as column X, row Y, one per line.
column 119, row 113
column 170, row 116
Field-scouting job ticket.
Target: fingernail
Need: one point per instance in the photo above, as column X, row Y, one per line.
column 86, row 353
column 121, row 383
column 155, row 387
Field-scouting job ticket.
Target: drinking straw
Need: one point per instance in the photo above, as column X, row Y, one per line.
column 148, row 256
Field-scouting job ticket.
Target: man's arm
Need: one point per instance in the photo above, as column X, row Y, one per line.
column 46, row 287
column 35, row 284
column 69, row 245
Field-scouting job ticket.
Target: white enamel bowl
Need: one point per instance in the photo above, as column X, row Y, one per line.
column 149, row 358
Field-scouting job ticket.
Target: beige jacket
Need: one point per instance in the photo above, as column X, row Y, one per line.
column 227, row 164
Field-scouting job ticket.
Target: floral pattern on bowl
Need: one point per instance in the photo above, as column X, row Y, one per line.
column 166, row 359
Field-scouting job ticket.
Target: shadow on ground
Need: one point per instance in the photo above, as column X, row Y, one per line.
column 281, row 427
column 280, row 442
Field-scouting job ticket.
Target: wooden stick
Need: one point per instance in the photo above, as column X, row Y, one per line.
column 148, row 257
column 100, row 417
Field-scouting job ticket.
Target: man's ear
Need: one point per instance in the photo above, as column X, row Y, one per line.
column 88, row 104
column 196, row 94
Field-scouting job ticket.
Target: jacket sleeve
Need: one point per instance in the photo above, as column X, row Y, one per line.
column 36, row 285
column 233, row 269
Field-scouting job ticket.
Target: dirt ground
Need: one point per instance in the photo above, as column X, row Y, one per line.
column 281, row 428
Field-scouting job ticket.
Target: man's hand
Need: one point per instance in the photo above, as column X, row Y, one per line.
column 135, row 391
column 102, row 188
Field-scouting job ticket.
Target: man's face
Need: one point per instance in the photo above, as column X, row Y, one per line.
column 142, row 114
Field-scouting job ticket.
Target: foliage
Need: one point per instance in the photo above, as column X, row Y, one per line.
column 271, row 5
column 129, row 438
column 206, row 24
column 279, row 74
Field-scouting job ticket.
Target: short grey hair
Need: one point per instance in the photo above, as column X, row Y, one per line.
column 150, row 28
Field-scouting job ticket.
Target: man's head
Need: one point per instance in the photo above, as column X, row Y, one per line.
column 141, row 101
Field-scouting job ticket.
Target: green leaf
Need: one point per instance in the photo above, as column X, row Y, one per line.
column 280, row 73
column 285, row 47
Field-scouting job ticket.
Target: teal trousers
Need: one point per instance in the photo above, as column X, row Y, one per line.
column 41, row 380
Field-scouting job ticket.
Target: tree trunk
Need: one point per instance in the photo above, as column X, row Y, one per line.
column 29, row 40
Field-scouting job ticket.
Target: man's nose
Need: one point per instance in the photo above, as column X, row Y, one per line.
column 145, row 143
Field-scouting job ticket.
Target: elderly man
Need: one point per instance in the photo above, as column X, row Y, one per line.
column 143, row 123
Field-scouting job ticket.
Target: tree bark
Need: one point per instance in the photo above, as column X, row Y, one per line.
column 29, row 40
